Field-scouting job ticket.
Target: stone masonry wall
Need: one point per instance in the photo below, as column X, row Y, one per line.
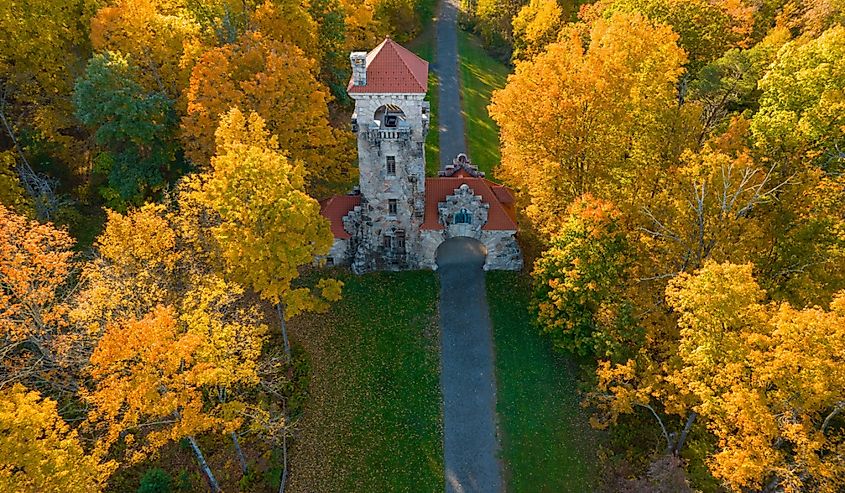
column 378, row 187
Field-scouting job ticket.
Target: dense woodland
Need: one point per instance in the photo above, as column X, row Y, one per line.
column 681, row 163
column 190, row 138
column 678, row 166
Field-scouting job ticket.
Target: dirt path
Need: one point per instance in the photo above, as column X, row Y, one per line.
column 467, row 376
column 450, row 118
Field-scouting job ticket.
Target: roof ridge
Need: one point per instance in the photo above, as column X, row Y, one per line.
column 401, row 54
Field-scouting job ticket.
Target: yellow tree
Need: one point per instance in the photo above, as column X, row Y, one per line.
column 155, row 256
column 768, row 378
column 39, row 452
column 12, row 194
column 706, row 28
column 147, row 387
column 535, row 26
column 135, row 268
column 277, row 81
column 164, row 41
column 268, row 228
column 802, row 104
column 36, row 264
column 44, row 46
column 603, row 120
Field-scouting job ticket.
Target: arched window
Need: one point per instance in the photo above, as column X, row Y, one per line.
column 389, row 116
column 463, row 217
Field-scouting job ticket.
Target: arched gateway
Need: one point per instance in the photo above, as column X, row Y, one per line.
column 461, row 250
column 397, row 218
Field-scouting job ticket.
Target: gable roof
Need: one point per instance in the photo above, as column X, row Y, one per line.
column 391, row 68
column 335, row 208
column 501, row 215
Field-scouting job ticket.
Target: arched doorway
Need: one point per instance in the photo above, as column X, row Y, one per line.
column 461, row 250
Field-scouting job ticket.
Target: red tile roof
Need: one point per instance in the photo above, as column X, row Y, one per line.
column 335, row 208
column 391, row 68
column 503, row 193
column 500, row 216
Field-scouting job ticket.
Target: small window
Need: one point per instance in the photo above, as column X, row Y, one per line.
column 387, row 242
column 463, row 217
column 391, row 165
column 400, row 240
column 329, row 261
column 392, row 207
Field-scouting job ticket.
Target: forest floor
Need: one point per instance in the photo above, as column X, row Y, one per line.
column 481, row 74
column 373, row 417
column 546, row 442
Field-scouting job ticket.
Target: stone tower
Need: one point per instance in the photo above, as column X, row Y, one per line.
column 391, row 121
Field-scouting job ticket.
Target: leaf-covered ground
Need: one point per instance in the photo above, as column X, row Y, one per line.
column 547, row 444
column 481, row 74
column 373, row 422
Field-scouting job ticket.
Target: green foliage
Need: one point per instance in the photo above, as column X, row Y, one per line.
column 802, row 108
column 331, row 22
column 134, row 129
column 578, row 279
column 156, row 480
column 729, row 84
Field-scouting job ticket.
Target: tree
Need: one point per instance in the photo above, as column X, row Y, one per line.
column 279, row 83
column 36, row 265
column 728, row 85
column 12, row 194
column 147, row 383
column 163, row 40
column 135, row 129
column 494, row 20
column 768, row 377
column 535, row 26
column 579, row 282
column 268, row 226
column 603, row 120
column 331, row 34
column 160, row 255
column 706, row 28
column 44, row 49
column 802, row 104
column 38, row 450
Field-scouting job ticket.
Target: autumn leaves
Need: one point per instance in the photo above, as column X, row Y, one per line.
column 161, row 335
column 682, row 182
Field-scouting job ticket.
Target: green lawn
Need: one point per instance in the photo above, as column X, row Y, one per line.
column 372, row 422
column 480, row 76
column 547, row 444
column 423, row 45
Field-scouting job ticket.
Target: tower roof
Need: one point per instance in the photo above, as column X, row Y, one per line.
column 391, row 68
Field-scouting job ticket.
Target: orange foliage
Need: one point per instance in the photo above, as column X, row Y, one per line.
column 36, row 262
column 278, row 82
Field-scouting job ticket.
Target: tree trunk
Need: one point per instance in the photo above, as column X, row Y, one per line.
column 284, row 463
column 683, row 438
column 280, row 310
column 212, row 481
column 239, row 452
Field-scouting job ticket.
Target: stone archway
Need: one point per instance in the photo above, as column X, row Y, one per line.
column 461, row 250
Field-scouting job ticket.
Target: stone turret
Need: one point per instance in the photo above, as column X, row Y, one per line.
column 391, row 121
